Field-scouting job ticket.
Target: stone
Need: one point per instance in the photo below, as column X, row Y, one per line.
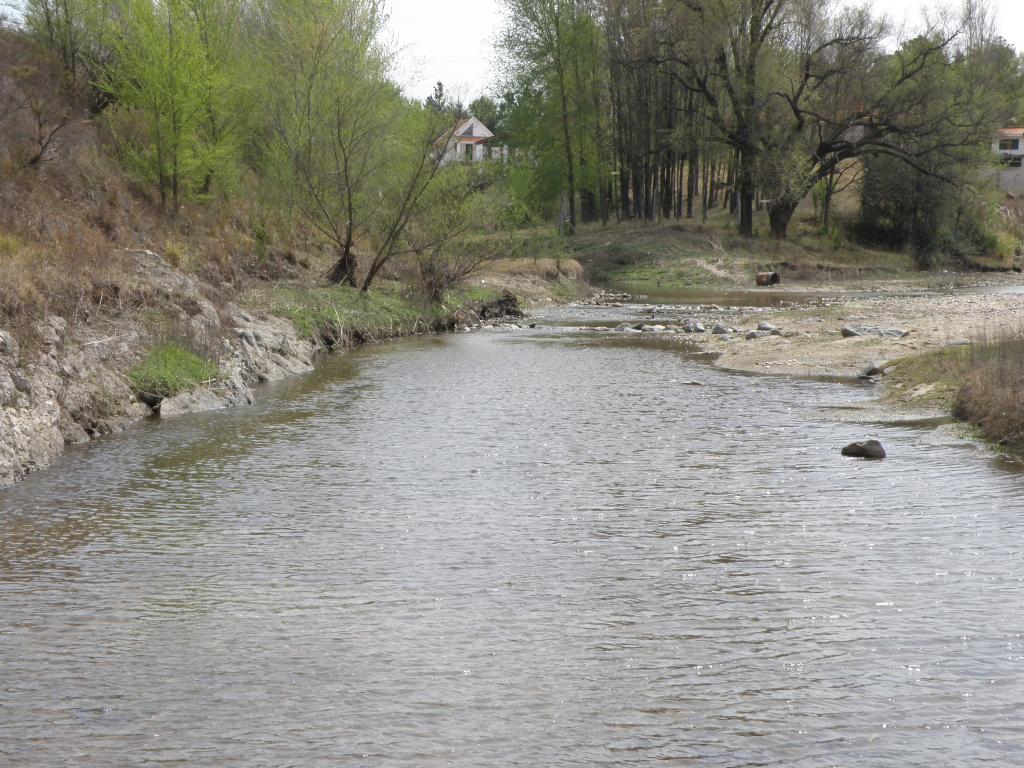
column 848, row 332
column 7, row 390
column 876, row 368
column 894, row 333
column 193, row 402
column 751, row 335
column 764, row 325
column 775, row 332
column 865, row 449
column 21, row 383
column 8, row 345
column 720, row 329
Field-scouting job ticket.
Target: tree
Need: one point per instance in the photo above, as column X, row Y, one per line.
column 556, row 103
column 330, row 111
column 163, row 74
column 434, row 239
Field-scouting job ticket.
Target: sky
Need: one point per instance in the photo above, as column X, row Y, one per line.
column 454, row 42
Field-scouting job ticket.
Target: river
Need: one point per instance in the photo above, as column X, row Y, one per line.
column 515, row 548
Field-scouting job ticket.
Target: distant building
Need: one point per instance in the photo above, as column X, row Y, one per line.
column 1009, row 147
column 467, row 143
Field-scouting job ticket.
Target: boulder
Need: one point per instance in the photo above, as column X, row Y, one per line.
column 865, row 449
column 848, row 332
column 764, row 325
column 876, row 368
column 768, row 278
column 720, row 329
column 775, row 332
column 751, row 335
column 21, row 383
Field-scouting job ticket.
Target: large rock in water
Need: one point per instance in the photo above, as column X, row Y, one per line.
column 865, row 449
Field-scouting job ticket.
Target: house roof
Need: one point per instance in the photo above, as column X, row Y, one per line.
column 1010, row 133
column 471, row 127
column 467, row 128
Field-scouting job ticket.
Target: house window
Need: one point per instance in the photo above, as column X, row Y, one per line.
column 1009, row 144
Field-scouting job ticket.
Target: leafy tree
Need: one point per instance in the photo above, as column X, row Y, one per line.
column 330, row 110
column 435, row 237
column 164, row 75
column 554, row 59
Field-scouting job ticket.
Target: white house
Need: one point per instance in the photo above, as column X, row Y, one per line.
column 467, row 142
column 1009, row 147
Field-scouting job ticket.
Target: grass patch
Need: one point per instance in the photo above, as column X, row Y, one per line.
column 336, row 312
column 929, row 380
column 689, row 254
column 170, row 369
column 458, row 297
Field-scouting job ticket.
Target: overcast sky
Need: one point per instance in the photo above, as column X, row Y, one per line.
column 453, row 42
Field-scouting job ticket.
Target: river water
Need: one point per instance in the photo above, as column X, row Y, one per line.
column 515, row 548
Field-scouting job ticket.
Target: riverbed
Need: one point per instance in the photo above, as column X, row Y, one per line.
column 543, row 547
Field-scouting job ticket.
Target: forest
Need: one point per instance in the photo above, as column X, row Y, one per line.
column 662, row 110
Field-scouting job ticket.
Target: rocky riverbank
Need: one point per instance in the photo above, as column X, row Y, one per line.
column 68, row 382
column 848, row 332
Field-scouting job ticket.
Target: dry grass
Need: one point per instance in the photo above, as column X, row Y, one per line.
column 67, row 220
column 548, row 269
column 992, row 394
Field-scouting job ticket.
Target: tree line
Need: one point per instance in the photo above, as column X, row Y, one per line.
column 657, row 109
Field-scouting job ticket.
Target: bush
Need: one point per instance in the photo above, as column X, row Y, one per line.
column 168, row 370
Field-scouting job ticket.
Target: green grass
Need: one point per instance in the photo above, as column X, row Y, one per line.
column 457, row 297
column 170, row 369
column 337, row 311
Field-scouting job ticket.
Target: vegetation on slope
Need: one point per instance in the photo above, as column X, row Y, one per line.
column 168, row 370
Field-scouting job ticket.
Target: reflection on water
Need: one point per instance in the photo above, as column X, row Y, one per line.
column 525, row 548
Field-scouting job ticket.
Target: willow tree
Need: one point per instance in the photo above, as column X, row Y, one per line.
column 330, row 111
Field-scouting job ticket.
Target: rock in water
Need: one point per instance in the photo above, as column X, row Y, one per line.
column 865, row 449
column 874, row 369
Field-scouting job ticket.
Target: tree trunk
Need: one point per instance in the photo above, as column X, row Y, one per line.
column 780, row 213
column 826, row 202
column 344, row 269
column 745, row 192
